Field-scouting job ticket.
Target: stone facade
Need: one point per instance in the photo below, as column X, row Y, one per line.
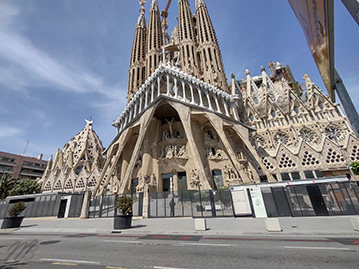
column 298, row 134
column 184, row 127
column 75, row 168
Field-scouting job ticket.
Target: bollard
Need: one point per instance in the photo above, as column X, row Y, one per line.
column 273, row 225
column 355, row 223
column 200, row 224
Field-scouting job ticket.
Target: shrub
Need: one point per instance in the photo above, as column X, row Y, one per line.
column 16, row 209
column 355, row 167
column 124, row 204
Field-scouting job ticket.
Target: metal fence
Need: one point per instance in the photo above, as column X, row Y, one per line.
column 324, row 199
column 166, row 204
column 191, row 204
column 43, row 205
column 105, row 206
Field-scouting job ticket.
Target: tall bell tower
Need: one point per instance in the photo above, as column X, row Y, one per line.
column 208, row 51
column 137, row 73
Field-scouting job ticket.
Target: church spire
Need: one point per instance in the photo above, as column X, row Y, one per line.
column 209, row 54
column 154, row 39
column 138, row 54
column 187, row 38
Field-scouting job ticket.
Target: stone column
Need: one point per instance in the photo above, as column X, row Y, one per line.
column 146, row 190
column 200, row 97
column 85, row 205
column 152, row 91
column 184, row 91
column 192, row 96
column 175, row 180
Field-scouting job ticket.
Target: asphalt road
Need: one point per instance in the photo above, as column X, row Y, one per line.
column 175, row 251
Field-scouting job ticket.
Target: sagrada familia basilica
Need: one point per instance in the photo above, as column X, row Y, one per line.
column 185, row 125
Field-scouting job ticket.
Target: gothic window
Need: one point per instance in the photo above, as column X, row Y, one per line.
column 92, row 182
column 355, row 153
column 286, row 162
column 334, row 157
column 281, row 138
column 68, row 185
column 334, row 133
column 58, row 186
column 47, row 186
column 260, row 141
column 267, row 163
column 307, row 135
column 309, row 159
column 272, row 113
column 80, row 184
column 255, row 100
column 78, row 169
column 250, row 117
column 295, row 109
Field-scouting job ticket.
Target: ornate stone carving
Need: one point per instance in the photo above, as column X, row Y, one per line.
column 334, row 133
column 241, row 157
column 229, row 172
column 194, row 180
column 210, row 135
column 173, row 151
column 153, row 180
column 216, row 154
column 281, row 138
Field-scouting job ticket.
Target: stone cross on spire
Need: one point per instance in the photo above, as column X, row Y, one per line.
column 142, row 3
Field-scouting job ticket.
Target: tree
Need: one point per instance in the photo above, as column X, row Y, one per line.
column 25, row 186
column 6, row 184
column 355, row 167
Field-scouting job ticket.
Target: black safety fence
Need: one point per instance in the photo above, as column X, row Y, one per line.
column 191, row 204
column 105, row 206
column 169, row 204
column 45, row 205
column 324, row 199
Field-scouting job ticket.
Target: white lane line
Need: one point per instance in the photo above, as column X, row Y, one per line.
column 121, row 241
column 205, row 244
column 73, row 261
column 325, row 248
column 12, row 238
column 160, row 267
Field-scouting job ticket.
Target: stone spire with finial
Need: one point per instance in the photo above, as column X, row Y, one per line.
column 138, row 55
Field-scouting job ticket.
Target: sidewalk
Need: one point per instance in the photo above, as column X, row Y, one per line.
column 338, row 226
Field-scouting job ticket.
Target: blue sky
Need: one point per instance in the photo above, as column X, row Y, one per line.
column 62, row 62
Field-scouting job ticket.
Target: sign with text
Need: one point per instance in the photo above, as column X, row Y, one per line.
column 316, row 18
column 258, row 202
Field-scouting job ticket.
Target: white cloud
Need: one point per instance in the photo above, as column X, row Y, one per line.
column 29, row 65
column 8, row 131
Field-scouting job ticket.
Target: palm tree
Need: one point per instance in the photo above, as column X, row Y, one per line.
column 6, row 184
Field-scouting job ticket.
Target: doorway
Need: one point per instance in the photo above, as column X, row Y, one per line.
column 166, row 182
column 62, row 208
column 317, row 200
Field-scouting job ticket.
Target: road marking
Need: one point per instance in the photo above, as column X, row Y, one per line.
column 64, row 263
column 205, row 244
column 12, row 238
column 325, row 248
column 116, row 267
column 160, row 267
column 122, row 241
column 69, row 261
